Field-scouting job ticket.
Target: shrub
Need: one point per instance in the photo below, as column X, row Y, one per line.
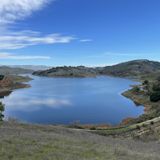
column 152, row 123
column 143, row 125
column 155, row 96
column 1, row 77
column 138, row 127
column 136, row 89
column 156, row 87
column 146, row 82
column 93, row 128
column 1, row 111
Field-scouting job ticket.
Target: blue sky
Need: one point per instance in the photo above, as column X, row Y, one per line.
column 78, row 32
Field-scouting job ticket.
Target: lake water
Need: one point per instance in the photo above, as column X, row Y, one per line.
column 66, row 100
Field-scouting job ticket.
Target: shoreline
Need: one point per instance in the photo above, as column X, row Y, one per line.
column 18, row 82
column 128, row 128
column 104, row 124
column 126, row 93
column 22, row 85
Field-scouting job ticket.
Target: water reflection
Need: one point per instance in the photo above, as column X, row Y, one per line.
column 32, row 104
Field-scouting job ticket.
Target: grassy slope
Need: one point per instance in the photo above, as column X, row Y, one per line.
column 138, row 69
column 23, row 142
column 148, row 130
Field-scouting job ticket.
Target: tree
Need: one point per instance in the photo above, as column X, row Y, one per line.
column 1, row 111
column 155, row 96
column 146, row 82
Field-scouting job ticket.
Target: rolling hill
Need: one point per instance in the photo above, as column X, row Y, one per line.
column 65, row 71
column 131, row 69
column 136, row 68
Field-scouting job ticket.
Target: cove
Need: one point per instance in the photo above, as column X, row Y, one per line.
column 67, row 100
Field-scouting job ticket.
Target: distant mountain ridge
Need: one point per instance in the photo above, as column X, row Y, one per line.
column 5, row 70
column 31, row 67
column 135, row 68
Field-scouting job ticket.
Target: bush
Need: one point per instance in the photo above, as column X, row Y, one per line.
column 146, row 82
column 152, row 123
column 1, row 77
column 143, row 125
column 155, row 96
column 1, row 111
column 156, row 87
column 138, row 127
column 93, row 128
column 136, row 89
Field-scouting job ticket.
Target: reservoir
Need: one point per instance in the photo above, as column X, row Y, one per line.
column 68, row 100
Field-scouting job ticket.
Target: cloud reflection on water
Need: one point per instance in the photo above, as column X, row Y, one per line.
column 34, row 104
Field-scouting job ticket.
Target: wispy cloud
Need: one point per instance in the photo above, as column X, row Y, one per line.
column 17, row 40
column 12, row 56
column 13, row 10
column 86, row 40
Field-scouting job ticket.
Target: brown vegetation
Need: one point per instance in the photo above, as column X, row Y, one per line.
column 36, row 142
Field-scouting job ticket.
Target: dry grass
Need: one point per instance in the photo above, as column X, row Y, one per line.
column 35, row 142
